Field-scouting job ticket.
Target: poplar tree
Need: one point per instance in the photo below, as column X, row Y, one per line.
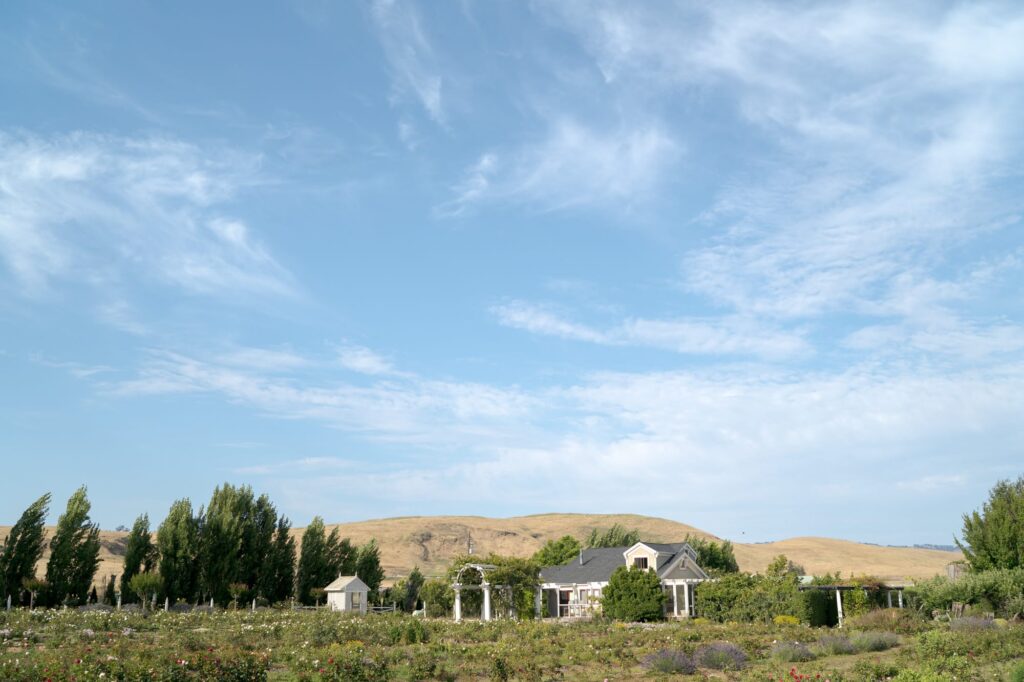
column 221, row 539
column 315, row 569
column 110, row 592
column 139, row 556
column 23, row 548
column 368, row 566
column 257, row 546
column 177, row 542
column 74, row 553
column 278, row 578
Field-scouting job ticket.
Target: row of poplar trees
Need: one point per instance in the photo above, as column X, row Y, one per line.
column 237, row 547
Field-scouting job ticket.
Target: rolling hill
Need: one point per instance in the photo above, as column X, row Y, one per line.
column 431, row 541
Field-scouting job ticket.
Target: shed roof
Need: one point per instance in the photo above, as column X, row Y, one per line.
column 347, row 583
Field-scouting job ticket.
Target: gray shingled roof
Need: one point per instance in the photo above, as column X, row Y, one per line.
column 598, row 564
column 597, row 567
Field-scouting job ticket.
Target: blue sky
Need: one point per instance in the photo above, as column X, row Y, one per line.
column 754, row 267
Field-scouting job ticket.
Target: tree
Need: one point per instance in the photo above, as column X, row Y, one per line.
column 110, row 591
column 558, row 552
column 714, row 558
column 633, row 595
column 438, row 597
column 221, row 539
column 257, row 544
column 23, row 547
column 74, row 553
column 995, row 537
column 616, row 536
column 146, row 586
column 315, row 568
column 279, row 572
column 341, row 554
column 411, row 593
column 317, row 593
column 139, row 556
column 33, row 586
column 177, row 542
column 368, row 566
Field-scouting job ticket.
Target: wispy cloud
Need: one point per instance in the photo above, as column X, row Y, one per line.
column 410, row 53
column 710, row 336
column 574, row 165
column 98, row 209
column 364, row 360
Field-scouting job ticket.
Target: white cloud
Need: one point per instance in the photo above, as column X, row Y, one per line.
column 363, row 360
column 410, row 53
column 573, row 165
column 97, row 209
column 713, row 335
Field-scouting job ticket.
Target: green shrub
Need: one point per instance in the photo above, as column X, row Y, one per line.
column 901, row 621
column 1017, row 674
column 835, row 645
column 792, row 652
column 633, row 595
column 874, row 641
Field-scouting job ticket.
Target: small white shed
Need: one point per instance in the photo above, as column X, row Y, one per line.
column 347, row 593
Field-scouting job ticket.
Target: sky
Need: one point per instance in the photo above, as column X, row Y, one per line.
column 754, row 267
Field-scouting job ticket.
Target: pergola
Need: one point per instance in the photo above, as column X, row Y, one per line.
column 839, row 589
column 458, row 586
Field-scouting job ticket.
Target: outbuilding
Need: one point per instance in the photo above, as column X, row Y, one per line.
column 348, row 593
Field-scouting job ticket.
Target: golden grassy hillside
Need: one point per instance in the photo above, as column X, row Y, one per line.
column 431, row 541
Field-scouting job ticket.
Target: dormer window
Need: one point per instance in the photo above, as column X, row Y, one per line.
column 640, row 562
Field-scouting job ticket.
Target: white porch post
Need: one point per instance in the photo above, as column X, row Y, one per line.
column 839, row 606
column 458, row 603
column 888, row 597
column 675, row 600
column 899, row 594
column 686, row 599
column 487, row 601
column 536, row 601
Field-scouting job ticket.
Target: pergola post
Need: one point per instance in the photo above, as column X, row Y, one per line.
column 888, row 598
column 487, row 601
column 537, row 596
column 899, row 595
column 458, row 602
column 675, row 600
column 686, row 599
column 839, row 606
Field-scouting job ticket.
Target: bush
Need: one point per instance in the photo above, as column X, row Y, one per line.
column 792, row 652
column 835, row 645
column 786, row 620
column 874, row 641
column 720, row 656
column 672, row 662
column 902, row 621
column 633, row 595
column 971, row 623
column 1017, row 674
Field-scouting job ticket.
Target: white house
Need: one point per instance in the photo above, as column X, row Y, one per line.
column 347, row 593
column 574, row 590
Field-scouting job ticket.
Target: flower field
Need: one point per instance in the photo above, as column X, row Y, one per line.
column 305, row 645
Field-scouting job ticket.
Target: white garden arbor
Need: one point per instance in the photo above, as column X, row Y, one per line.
column 482, row 570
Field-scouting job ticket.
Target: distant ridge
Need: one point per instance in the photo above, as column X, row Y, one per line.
column 430, row 542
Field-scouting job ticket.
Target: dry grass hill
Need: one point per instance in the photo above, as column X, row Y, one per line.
column 431, row 541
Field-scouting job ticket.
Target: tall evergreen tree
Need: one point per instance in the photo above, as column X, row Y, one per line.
column 368, row 566
column 413, row 585
column 110, row 592
column 341, row 555
column 23, row 548
column 278, row 579
column 257, row 546
column 315, row 566
column 139, row 556
column 221, row 539
column 74, row 553
column 177, row 542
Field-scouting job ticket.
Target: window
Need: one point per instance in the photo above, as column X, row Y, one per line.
column 357, row 598
column 640, row 562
